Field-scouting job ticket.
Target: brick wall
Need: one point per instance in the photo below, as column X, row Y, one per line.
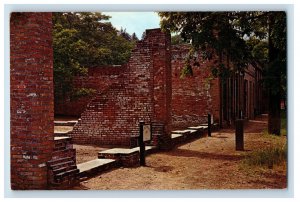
column 31, row 88
column 62, row 170
column 193, row 96
column 99, row 79
column 112, row 116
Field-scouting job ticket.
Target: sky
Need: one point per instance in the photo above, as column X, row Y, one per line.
column 136, row 22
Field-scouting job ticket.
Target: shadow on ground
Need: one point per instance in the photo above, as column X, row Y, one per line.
column 203, row 155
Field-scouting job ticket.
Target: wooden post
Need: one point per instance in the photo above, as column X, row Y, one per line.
column 142, row 145
column 209, row 125
column 239, row 135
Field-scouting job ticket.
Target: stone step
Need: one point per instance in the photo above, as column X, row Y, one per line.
column 125, row 156
column 62, row 138
column 127, row 150
column 183, row 132
column 64, row 169
column 59, row 160
column 67, row 174
column 65, row 123
column 175, row 136
column 201, row 127
column 62, row 164
column 95, row 166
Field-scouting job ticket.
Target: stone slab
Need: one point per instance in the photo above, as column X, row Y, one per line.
column 83, row 167
column 125, row 150
column 192, row 130
column 65, row 123
column 174, row 135
column 198, row 127
column 62, row 138
column 181, row 131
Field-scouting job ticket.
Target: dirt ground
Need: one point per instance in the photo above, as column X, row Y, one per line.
column 205, row 163
column 86, row 153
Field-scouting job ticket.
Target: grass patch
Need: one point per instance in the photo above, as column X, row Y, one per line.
column 274, row 155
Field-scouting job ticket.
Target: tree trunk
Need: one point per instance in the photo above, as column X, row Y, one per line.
column 274, row 122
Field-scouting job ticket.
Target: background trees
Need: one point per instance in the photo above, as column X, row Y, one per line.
column 82, row 40
column 243, row 37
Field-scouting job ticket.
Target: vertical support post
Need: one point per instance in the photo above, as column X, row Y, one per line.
column 240, row 114
column 239, row 135
column 209, row 125
column 142, row 145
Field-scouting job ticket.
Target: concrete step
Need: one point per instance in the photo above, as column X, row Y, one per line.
column 125, row 156
column 183, row 132
column 148, row 150
column 62, row 138
column 175, row 136
column 95, row 166
column 200, row 128
column 65, row 123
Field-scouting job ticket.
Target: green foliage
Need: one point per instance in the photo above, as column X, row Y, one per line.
column 244, row 37
column 176, row 39
column 221, row 71
column 82, row 40
column 134, row 37
column 259, row 50
column 186, row 71
column 219, row 31
column 268, row 157
column 83, row 92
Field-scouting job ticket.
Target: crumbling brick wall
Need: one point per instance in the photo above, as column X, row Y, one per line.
column 31, row 98
column 97, row 78
column 141, row 93
column 193, row 96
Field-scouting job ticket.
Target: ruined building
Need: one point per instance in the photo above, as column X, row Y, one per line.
column 148, row 88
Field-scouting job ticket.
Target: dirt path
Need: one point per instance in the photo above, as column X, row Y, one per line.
column 206, row 163
column 86, row 153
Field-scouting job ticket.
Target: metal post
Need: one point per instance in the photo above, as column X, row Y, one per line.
column 142, row 145
column 209, row 125
column 239, row 135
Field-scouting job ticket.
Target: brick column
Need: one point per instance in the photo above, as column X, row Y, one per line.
column 31, row 80
column 160, row 44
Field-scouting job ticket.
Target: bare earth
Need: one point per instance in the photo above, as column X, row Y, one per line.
column 205, row 163
column 86, row 153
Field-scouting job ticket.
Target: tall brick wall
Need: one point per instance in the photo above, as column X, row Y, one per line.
column 112, row 116
column 193, row 96
column 31, row 88
column 97, row 78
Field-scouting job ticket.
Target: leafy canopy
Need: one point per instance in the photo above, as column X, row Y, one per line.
column 82, row 40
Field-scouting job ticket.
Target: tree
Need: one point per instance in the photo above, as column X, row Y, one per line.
column 125, row 34
column 82, row 40
column 176, row 39
column 227, row 33
column 276, row 70
column 134, row 37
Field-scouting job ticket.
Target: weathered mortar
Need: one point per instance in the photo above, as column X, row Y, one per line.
column 141, row 93
column 193, row 96
column 31, row 87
